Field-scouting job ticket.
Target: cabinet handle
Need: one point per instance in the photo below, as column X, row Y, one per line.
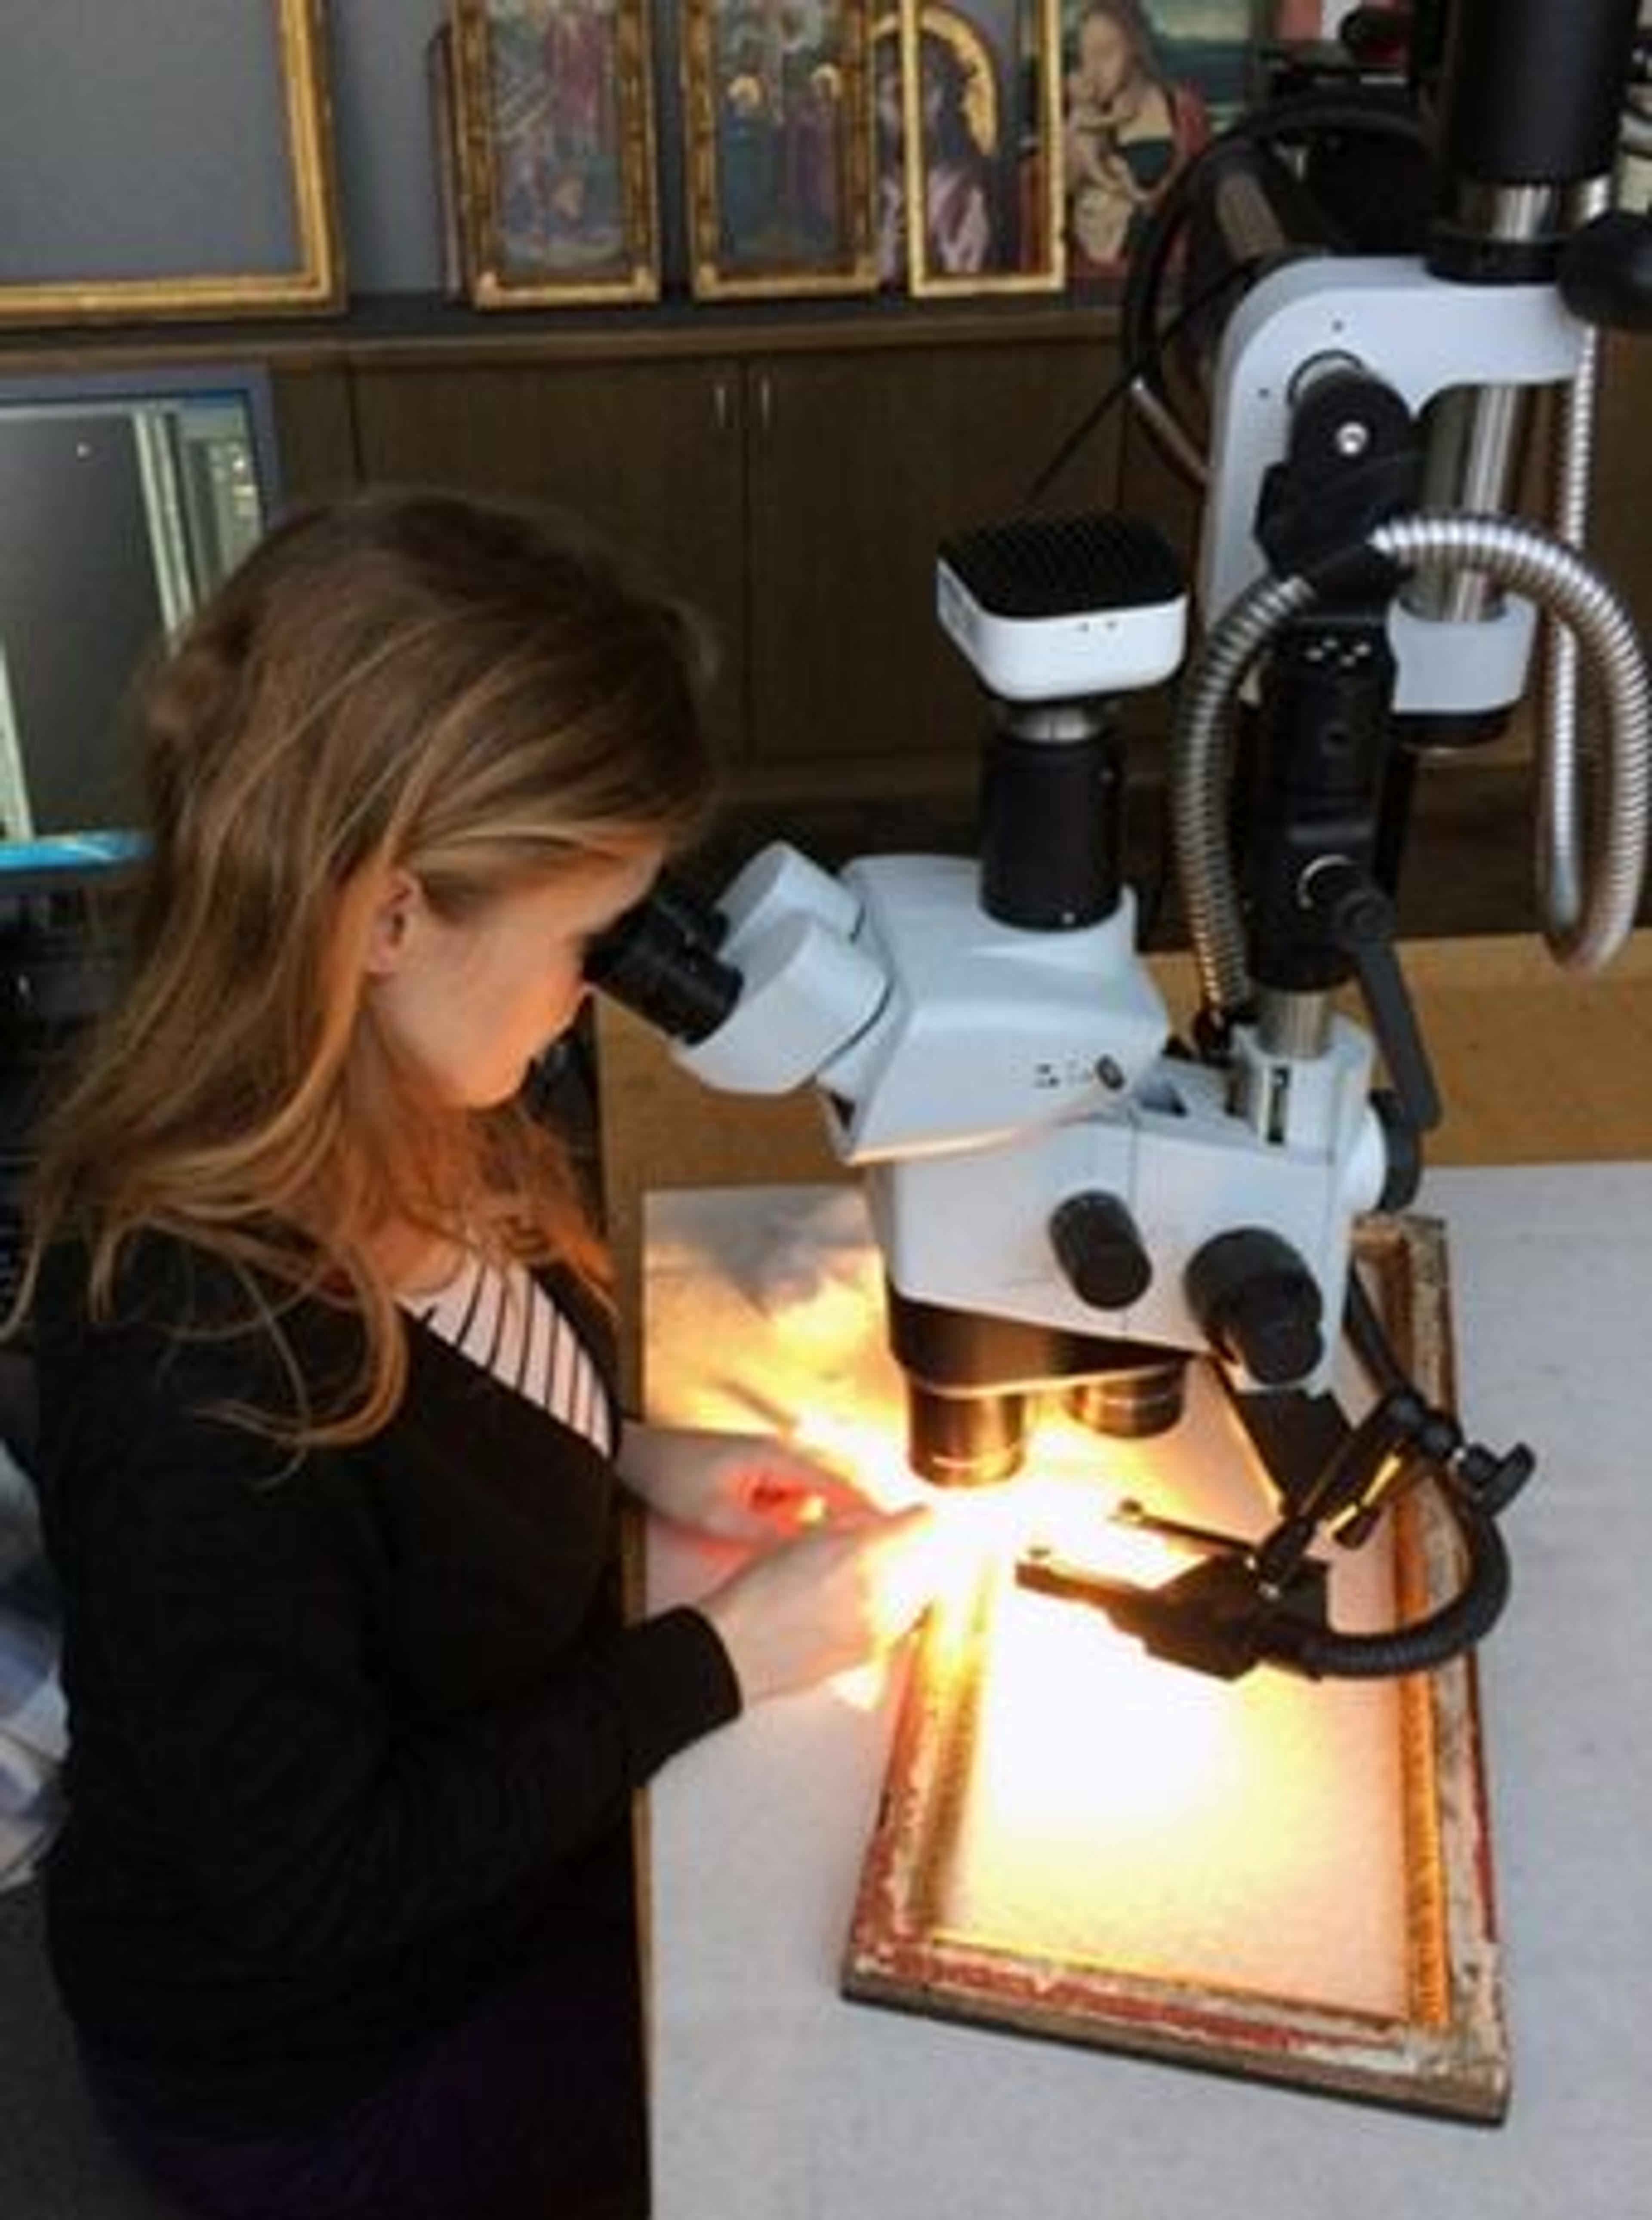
column 722, row 405
column 765, row 402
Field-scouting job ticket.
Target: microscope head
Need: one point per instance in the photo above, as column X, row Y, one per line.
column 1051, row 1188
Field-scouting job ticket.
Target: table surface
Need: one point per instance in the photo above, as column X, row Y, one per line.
column 772, row 2096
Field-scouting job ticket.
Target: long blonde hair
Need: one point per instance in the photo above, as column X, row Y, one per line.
column 400, row 681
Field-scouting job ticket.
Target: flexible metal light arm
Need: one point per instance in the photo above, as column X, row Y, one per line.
column 1516, row 555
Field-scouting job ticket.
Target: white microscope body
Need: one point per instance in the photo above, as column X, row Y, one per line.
column 982, row 1077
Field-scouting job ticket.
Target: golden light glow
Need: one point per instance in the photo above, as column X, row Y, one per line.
column 1064, row 1694
column 1115, row 1809
column 1112, row 1809
column 868, row 1446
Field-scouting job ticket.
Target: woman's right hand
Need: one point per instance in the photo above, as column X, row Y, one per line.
column 827, row 1600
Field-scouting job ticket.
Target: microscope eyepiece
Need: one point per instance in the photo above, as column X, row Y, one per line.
column 660, row 959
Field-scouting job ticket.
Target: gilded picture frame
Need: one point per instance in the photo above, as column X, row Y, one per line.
column 967, row 102
column 554, row 122
column 77, row 248
column 778, row 143
column 1441, row 2046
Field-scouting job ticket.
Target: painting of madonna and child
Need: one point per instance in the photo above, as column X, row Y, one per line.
column 1145, row 82
column 1048, row 134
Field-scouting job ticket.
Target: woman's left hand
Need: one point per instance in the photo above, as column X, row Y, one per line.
column 741, row 1487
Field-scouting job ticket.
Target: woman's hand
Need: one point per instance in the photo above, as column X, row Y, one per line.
column 740, row 1487
column 825, row 1600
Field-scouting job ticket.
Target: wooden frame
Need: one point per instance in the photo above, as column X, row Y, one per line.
column 977, row 154
column 1446, row 2052
column 554, row 118
column 310, row 282
column 779, row 151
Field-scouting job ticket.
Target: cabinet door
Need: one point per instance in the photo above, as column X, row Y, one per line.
column 648, row 453
column 860, row 463
column 316, row 439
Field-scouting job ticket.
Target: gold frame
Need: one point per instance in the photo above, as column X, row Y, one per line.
column 923, row 283
column 314, row 286
column 711, row 275
column 1447, row 2054
column 489, row 283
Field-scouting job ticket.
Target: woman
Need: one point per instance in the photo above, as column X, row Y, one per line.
column 328, row 1453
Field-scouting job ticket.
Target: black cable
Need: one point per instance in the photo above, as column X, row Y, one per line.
column 1111, row 396
column 1368, row 1338
column 1144, row 339
column 1465, row 1617
column 1134, row 367
column 1458, row 1623
column 1312, row 115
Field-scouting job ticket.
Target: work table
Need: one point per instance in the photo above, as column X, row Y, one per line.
column 773, row 2096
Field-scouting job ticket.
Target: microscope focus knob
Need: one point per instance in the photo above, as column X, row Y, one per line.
column 1098, row 1248
column 1258, row 1304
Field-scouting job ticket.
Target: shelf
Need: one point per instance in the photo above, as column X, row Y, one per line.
column 425, row 327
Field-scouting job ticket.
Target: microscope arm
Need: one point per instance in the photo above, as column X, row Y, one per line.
column 1241, row 1604
column 1225, row 1615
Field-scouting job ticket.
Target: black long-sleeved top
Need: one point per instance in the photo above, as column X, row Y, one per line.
column 352, row 1735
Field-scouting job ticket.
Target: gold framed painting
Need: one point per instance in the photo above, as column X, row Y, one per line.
column 177, row 165
column 778, row 127
column 554, row 120
column 967, row 105
column 1145, row 84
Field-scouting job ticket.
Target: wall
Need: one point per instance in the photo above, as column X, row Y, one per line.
column 59, row 131
column 387, row 186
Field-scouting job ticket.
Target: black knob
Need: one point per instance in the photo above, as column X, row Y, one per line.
column 1099, row 1251
column 1258, row 1304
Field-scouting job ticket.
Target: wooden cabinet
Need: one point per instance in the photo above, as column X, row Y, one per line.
column 315, row 437
column 791, row 471
column 860, row 462
column 795, row 493
column 648, row 453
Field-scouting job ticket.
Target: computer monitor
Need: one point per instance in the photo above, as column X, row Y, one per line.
column 125, row 497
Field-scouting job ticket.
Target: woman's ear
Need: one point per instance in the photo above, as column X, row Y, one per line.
column 393, row 924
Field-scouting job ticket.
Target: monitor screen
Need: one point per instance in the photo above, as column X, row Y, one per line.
column 125, row 497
